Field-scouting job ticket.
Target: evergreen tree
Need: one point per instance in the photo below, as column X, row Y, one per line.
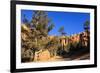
column 86, row 25
column 61, row 30
column 41, row 23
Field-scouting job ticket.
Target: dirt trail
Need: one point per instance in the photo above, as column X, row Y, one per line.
column 43, row 56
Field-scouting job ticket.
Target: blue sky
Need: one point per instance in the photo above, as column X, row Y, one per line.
column 72, row 21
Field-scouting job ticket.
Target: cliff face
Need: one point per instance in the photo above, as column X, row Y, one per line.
column 83, row 38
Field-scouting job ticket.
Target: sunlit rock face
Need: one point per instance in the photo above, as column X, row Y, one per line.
column 42, row 56
column 25, row 28
column 75, row 38
column 82, row 39
column 85, row 38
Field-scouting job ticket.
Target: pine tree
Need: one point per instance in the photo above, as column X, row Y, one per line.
column 86, row 25
column 61, row 30
column 41, row 23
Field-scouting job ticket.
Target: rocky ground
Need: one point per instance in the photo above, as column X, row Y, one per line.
column 45, row 56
